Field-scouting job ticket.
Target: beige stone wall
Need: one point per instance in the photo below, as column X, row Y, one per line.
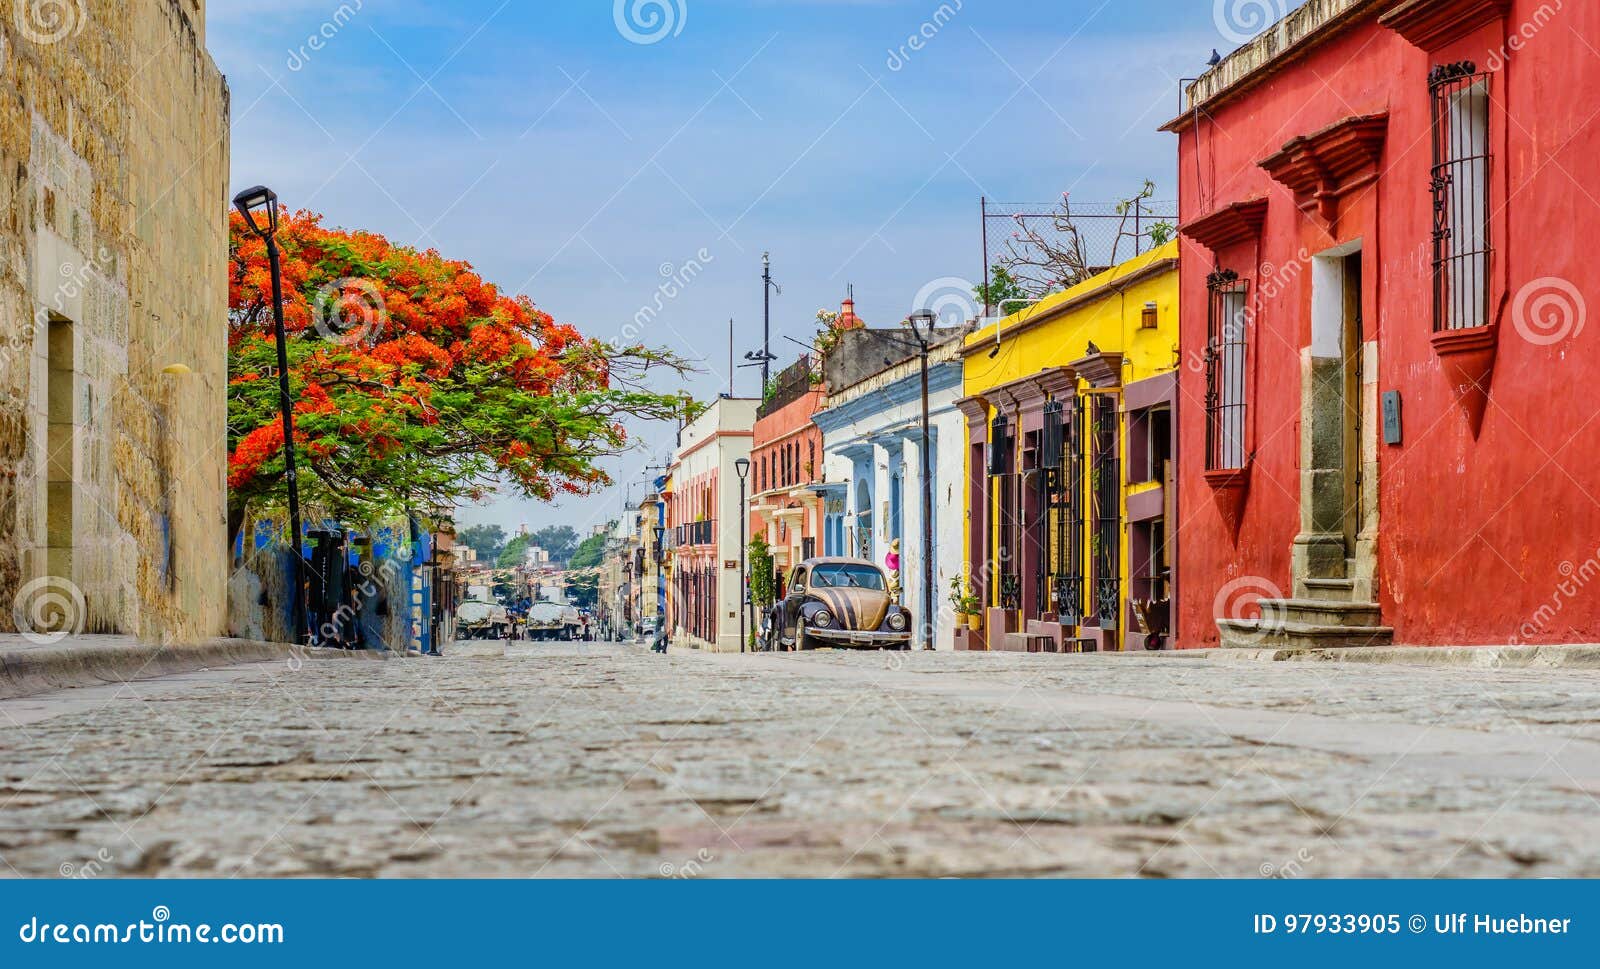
column 113, row 189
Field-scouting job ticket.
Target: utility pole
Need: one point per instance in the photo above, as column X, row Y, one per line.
column 923, row 324
column 766, row 319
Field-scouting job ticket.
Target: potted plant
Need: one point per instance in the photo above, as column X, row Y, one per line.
column 974, row 611
column 958, row 600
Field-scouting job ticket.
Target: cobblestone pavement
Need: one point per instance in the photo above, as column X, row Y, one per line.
column 600, row 759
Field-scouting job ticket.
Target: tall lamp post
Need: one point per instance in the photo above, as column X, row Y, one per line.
column 742, row 466
column 922, row 324
column 661, row 575
column 264, row 201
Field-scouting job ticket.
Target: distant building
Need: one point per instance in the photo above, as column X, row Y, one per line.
column 707, row 588
column 1070, row 446
column 787, row 489
column 871, row 423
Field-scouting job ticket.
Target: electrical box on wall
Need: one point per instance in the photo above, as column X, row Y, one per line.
column 1391, row 417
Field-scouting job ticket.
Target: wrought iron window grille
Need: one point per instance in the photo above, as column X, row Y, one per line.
column 1227, row 333
column 1460, row 186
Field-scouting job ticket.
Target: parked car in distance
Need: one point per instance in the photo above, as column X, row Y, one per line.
column 837, row 602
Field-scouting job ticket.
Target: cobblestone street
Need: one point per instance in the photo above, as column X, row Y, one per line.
column 602, row 759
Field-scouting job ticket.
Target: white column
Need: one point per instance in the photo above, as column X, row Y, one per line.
column 880, row 502
column 912, row 552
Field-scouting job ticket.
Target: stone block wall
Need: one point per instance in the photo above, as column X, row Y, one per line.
column 114, row 193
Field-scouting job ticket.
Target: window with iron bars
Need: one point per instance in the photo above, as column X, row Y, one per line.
column 1001, row 446
column 1063, row 482
column 1002, row 462
column 1226, row 333
column 1461, row 157
column 1107, row 488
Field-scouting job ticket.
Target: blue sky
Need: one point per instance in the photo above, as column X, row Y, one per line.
column 570, row 162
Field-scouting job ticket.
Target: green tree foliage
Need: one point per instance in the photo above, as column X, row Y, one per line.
column 514, row 553
column 762, row 586
column 1000, row 289
column 561, row 541
column 584, row 589
column 486, row 540
column 590, row 552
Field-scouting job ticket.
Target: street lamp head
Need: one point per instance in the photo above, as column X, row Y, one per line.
column 743, row 467
column 923, row 322
column 259, row 199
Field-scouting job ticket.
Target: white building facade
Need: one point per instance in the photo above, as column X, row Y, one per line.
column 706, row 587
column 872, row 442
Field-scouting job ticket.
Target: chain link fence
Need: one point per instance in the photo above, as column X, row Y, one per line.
column 1046, row 246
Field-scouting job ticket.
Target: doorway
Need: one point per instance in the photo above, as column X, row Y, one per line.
column 1351, row 346
column 61, row 444
column 1338, row 453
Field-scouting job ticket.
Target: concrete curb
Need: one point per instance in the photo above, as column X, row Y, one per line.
column 92, row 661
column 1581, row 656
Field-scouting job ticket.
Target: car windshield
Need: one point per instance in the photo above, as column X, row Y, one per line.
column 846, row 577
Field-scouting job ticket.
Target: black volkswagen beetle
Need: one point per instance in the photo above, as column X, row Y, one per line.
column 837, row 602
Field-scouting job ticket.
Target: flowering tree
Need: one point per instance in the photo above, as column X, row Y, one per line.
column 417, row 383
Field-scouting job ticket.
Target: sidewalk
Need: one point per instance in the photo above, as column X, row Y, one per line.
column 28, row 668
column 1577, row 656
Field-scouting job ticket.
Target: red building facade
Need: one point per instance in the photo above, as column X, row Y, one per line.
column 786, row 473
column 1383, row 408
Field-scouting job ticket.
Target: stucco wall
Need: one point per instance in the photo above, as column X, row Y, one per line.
column 703, row 476
column 871, row 432
column 1479, row 537
column 114, row 145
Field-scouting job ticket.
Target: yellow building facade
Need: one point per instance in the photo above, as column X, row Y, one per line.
column 1070, row 458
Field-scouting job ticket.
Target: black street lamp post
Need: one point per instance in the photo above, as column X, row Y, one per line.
column 742, row 466
column 923, row 323
column 250, row 202
column 660, row 532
